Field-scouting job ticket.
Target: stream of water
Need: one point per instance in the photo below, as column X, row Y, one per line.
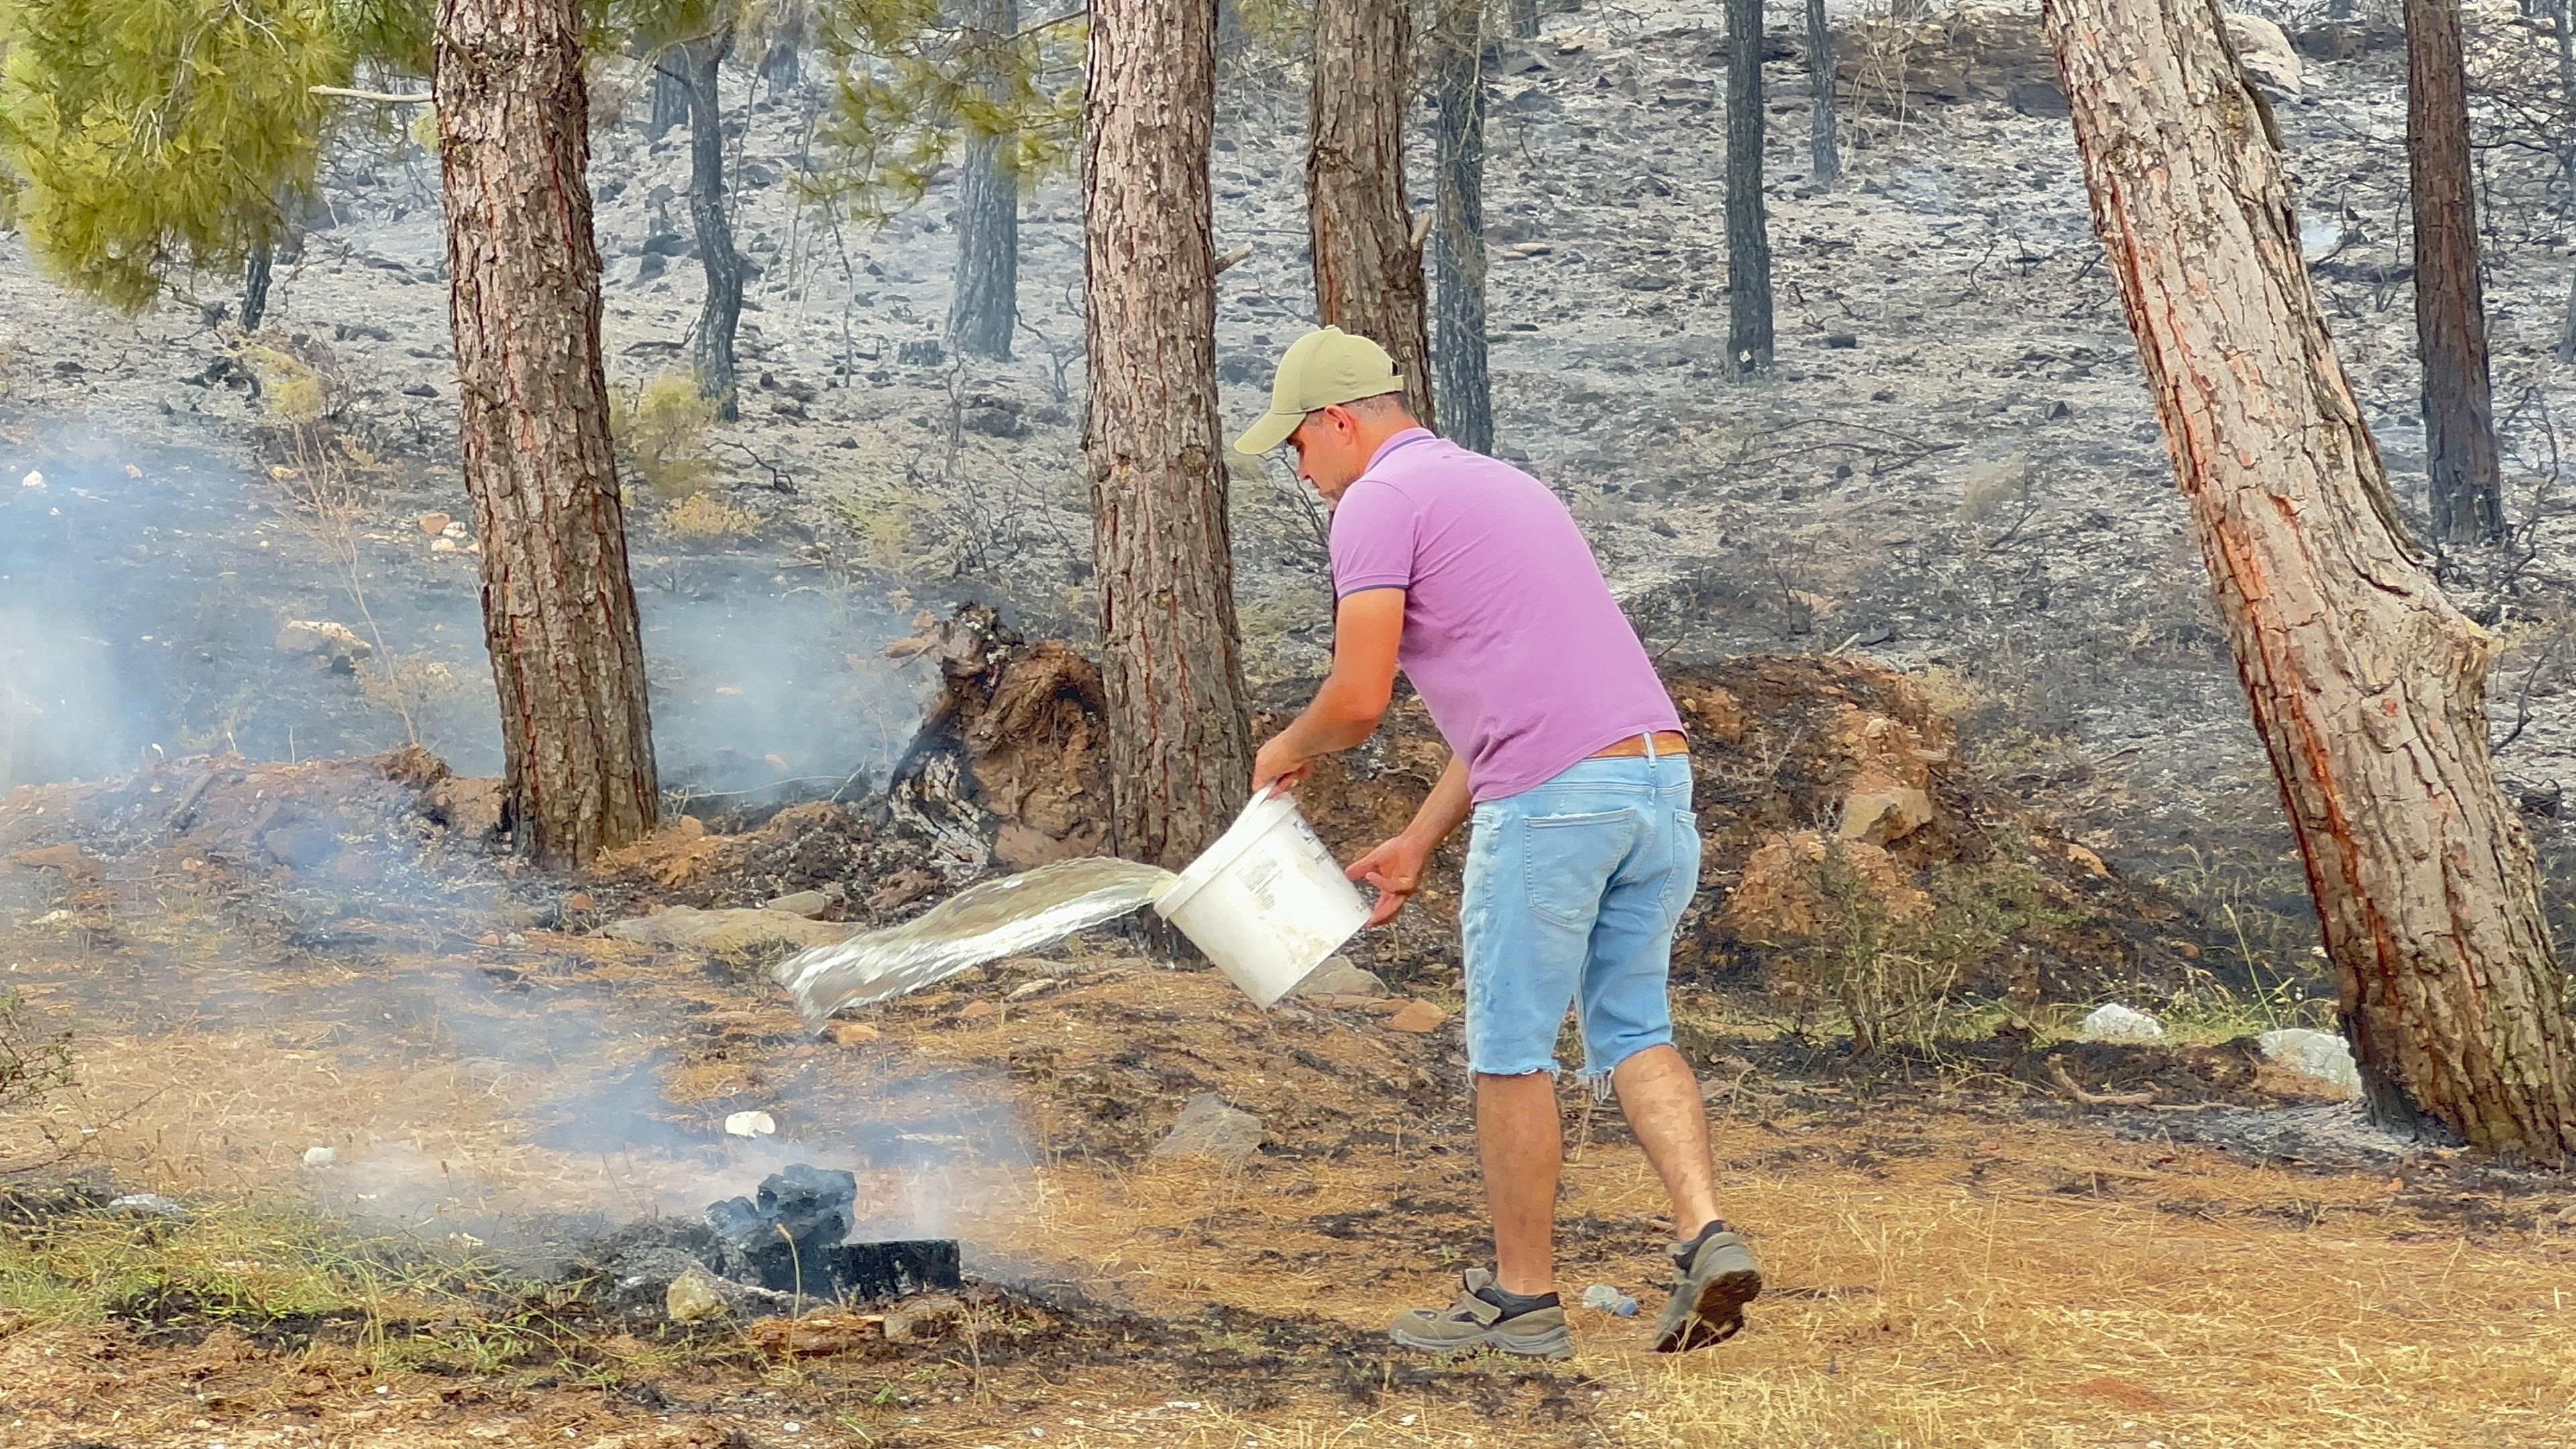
column 984, row 922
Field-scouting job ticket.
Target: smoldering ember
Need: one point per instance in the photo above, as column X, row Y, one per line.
column 1348, row 722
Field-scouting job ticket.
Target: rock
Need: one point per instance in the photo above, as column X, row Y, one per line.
column 923, row 1320
column 150, row 1204
column 338, row 644
column 726, row 932
column 2114, row 1022
column 851, row 1033
column 902, row 888
column 668, row 244
column 784, row 1237
column 300, row 847
column 809, row 904
column 1842, row 341
column 433, row 524
column 1417, row 1017
column 69, row 859
column 1209, row 1126
column 751, row 1124
column 692, row 1296
column 418, row 389
column 319, row 1157
column 2320, row 1056
column 2086, row 860
column 1609, row 1300
column 1783, row 890
column 442, row 544
column 34, row 481
column 817, row 1335
column 2266, row 54
column 651, row 267
column 977, row 1011
column 455, row 529
column 1337, row 976
column 1879, row 813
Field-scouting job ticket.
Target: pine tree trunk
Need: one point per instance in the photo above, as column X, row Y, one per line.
column 2450, row 305
column 2367, row 687
column 558, row 607
column 1368, row 274
column 984, row 305
column 670, row 91
column 1465, row 392
column 782, row 61
column 1748, row 220
column 720, row 314
column 255, row 275
column 1525, row 19
column 1824, row 156
column 1180, row 746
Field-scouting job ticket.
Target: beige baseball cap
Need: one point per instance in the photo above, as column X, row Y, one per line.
column 1324, row 367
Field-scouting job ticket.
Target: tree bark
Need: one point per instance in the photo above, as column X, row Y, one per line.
column 1748, row 220
column 558, row 607
column 1368, row 273
column 2367, row 687
column 720, row 313
column 1180, row 747
column 984, row 305
column 782, row 59
column 255, row 275
column 2450, row 306
column 670, row 92
column 1824, row 155
column 1525, row 19
column 1465, row 385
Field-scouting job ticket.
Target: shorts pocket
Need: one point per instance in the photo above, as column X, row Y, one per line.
column 1681, row 883
column 1569, row 860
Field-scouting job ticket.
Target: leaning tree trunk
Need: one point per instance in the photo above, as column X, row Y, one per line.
column 670, row 93
column 1368, row 273
column 1824, row 156
column 1748, row 221
column 984, row 305
column 1465, row 392
column 1180, row 747
column 720, row 314
column 255, row 275
column 2450, row 306
column 558, row 607
column 2367, row 687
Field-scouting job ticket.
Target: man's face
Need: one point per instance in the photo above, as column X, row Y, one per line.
column 1329, row 452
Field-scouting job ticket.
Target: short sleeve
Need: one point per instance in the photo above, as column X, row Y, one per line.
column 1373, row 535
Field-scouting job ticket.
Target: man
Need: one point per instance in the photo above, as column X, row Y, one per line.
column 1567, row 753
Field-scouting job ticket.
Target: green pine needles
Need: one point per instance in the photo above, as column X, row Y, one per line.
column 143, row 140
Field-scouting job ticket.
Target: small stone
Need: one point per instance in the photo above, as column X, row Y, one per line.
column 454, row 530
column 1884, row 814
column 1842, row 341
column 751, row 1124
column 1039, row 987
column 151, row 1203
column 1417, row 1017
column 442, row 545
column 2086, row 860
column 1609, row 1300
column 580, row 901
column 2060, row 408
column 809, row 904
column 300, row 847
column 851, row 1033
column 2114, row 1022
column 434, row 524
column 692, row 1296
column 1339, row 976
column 2321, row 1056
column 977, row 1011
column 1210, row 1126
column 319, row 1157
column 323, row 639
column 923, row 1320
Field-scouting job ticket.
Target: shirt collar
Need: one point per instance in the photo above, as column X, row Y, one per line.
column 1409, row 435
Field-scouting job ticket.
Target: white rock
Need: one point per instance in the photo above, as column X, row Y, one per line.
column 751, row 1124
column 33, row 480
column 319, row 1156
column 2266, row 53
column 2114, row 1022
column 2318, row 1054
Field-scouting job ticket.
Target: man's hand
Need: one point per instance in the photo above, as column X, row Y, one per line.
column 1395, row 868
column 1280, row 764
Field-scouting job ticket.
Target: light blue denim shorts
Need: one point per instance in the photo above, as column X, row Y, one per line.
column 1572, row 893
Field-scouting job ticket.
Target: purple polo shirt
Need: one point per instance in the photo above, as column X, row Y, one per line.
column 1510, row 635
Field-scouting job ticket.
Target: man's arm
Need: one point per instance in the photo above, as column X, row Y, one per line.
column 1367, row 629
column 1396, row 866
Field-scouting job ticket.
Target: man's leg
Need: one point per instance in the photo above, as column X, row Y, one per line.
column 1662, row 1103
column 1522, row 1144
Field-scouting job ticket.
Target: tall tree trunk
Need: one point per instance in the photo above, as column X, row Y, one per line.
column 1748, row 220
column 720, row 314
column 2450, row 305
column 1465, row 392
column 984, row 305
column 1525, row 19
column 558, row 607
column 255, row 276
column 2367, row 687
column 782, row 60
column 1368, row 274
column 670, row 91
column 1824, row 156
column 2563, row 23
column 1180, row 743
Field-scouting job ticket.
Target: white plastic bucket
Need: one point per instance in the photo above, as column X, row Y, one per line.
column 1266, row 902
